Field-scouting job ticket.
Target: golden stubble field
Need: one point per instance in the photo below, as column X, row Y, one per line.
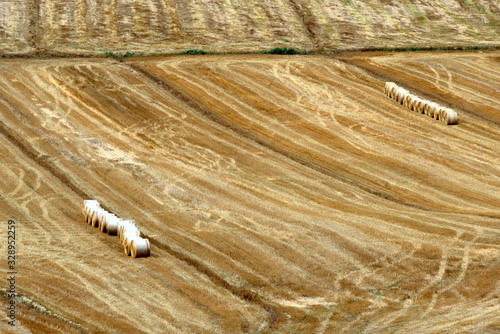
column 280, row 194
column 152, row 26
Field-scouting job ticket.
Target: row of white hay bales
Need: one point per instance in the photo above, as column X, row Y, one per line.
column 127, row 231
column 413, row 102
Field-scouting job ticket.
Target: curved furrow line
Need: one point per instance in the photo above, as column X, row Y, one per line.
column 20, row 184
column 463, row 83
column 467, row 66
column 260, row 217
column 409, row 68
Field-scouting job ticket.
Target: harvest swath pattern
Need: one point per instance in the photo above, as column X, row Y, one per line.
column 277, row 193
column 96, row 26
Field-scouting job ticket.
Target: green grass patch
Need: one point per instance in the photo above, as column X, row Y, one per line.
column 110, row 54
column 193, row 52
column 283, row 51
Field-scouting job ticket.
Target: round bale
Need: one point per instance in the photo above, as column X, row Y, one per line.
column 113, row 222
column 450, row 117
column 130, row 230
column 140, row 247
column 87, row 206
column 400, row 94
column 123, row 226
column 106, row 217
column 101, row 217
column 94, row 219
column 408, row 100
column 392, row 92
column 430, row 108
column 418, row 105
column 388, row 87
column 127, row 240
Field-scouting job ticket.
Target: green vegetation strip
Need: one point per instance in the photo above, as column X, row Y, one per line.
column 274, row 51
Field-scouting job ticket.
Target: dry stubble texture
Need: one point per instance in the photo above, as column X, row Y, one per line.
column 278, row 194
column 96, row 26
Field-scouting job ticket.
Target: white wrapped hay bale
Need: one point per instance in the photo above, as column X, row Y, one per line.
column 97, row 217
column 103, row 221
column 418, row 105
column 430, row 108
column 94, row 218
column 129, row 234
column 112, row 224
column 88, row 207
column 449, row 116
column 388, row 88
column 407, row 101
column 140, row 247
column 107, row 217
column 400, row 94
column 414, row 103
column 392, row 92
column 127, row 239
column 440, row 112
column 101, row 218
column 123, row 226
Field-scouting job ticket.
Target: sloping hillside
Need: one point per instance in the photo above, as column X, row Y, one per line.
column 150, row 26
column 279, row 194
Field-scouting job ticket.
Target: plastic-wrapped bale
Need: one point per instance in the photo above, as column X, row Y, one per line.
column 404, row 98
column 128, row 236
column 418, row 105
column 414, row 102
column 94, row 216
column 435, row 111
column 90, row 213
column 400, row 94
column 88, row 206
column 438, row 115
column 392, row 92
column 103, row 221
column 101, row 218
column 388, row 88
column 123, row 226
column 430, row 108
column 112, row 224
column 140, row 247
column 407, row 100
column 449, row 116
column 106, row 217
column 129, row 229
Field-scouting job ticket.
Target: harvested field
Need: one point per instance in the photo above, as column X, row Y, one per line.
column 97, row 26
column 279, row 194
